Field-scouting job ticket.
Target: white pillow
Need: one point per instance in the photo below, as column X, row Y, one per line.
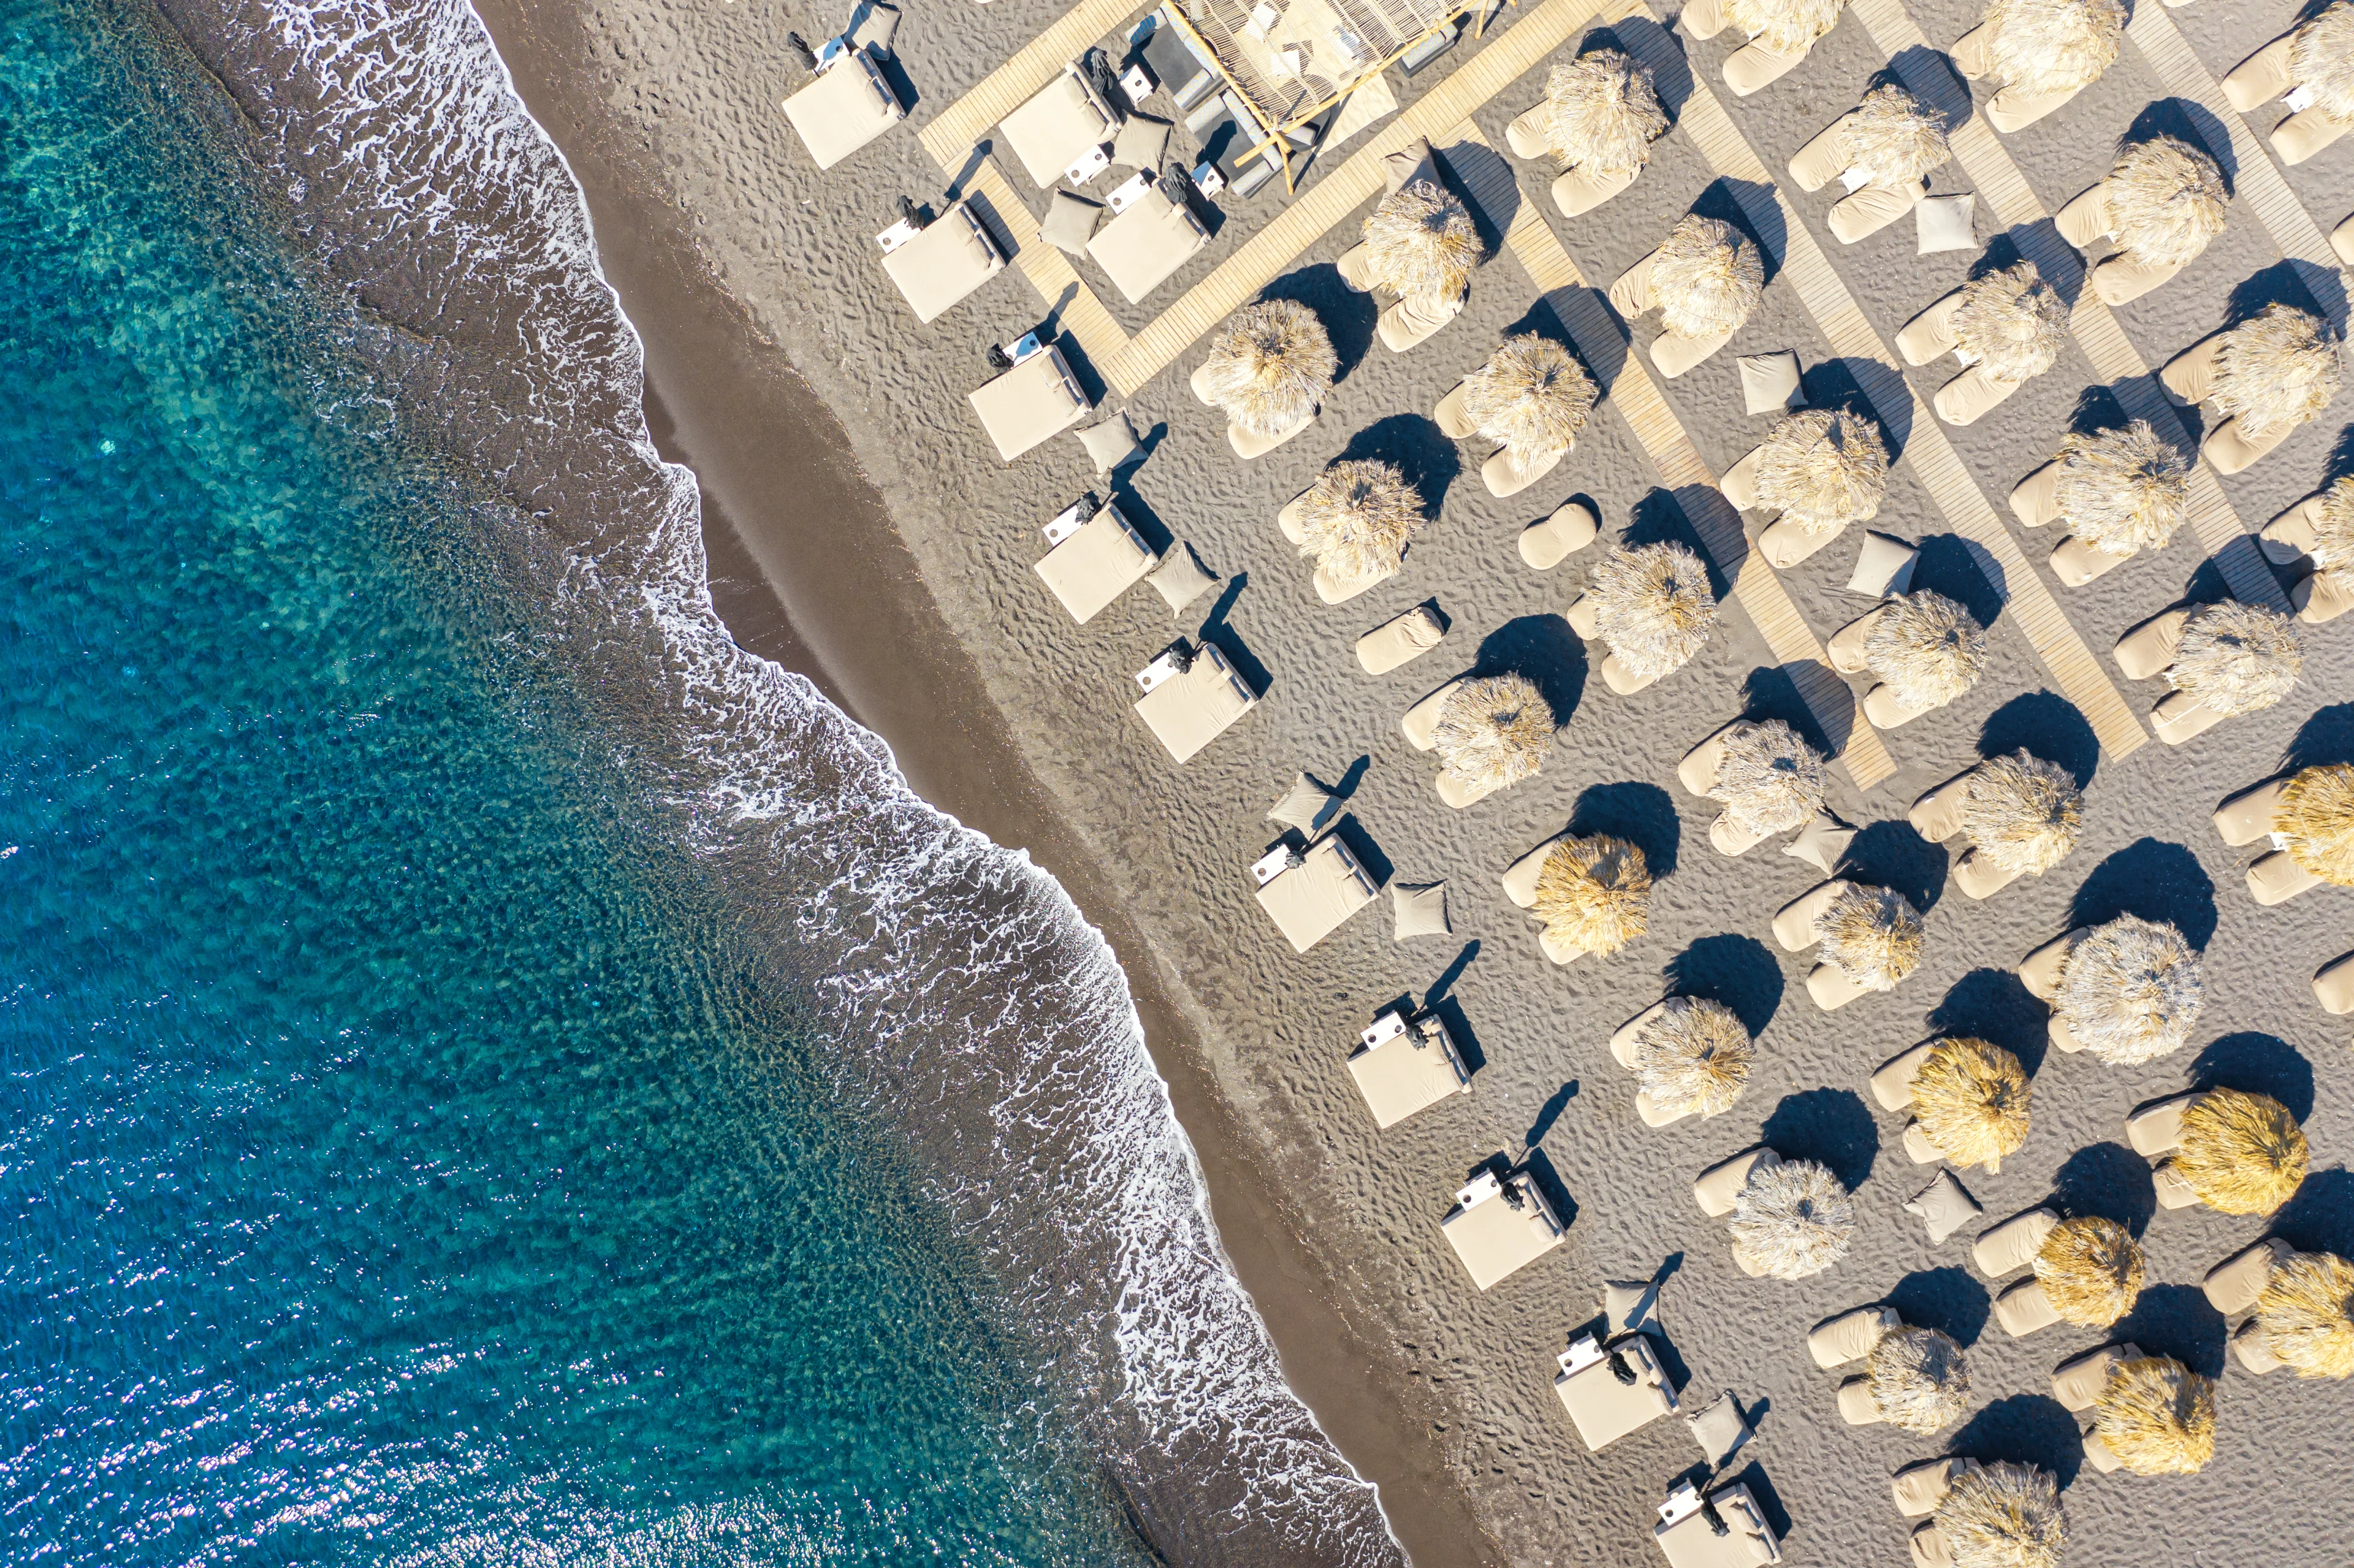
column 1943, row 223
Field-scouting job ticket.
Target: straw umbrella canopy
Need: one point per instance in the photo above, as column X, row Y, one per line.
column 1493, row 731
column 1652, row 606
column 2130, row 990
column 2092, row 1270
column 1602, row 113
column 1269, row 366
column 2306, row 1316
column 2314, row 819
column 1355, row 521
column 2166, row 200
column 1792, row 1220
column 2012, row 323
column 2321, row 57
column 1784, row 26
column 1919, row 1378
column 1694, row 1057
column 1970, row 1098
column 2242, row 1153
column 1928, row 648
column 1894, row 137
column 1824, row 468
column 2122, row 489
column 2276, row 370
column 1769, row 778
column 2157, row 1416
column 2333, row 531
column 2004, row 1515
column 1421, row 245
column 2235, row 658
column 1594, row 893
column 1533, row 395
column 1706, row 276
column 1872, row 935
column 2052, row 45
column 2022, row 812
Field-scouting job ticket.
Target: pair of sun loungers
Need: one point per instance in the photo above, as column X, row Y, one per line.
column 1795, row 929
column 2289, row 540
column 1847, row 653
column 2233, row 1287
column 1405, row 1062
column 2247, row 818
column 1868, row 207
column 1402, row 323
column 2266, row 75
column 1892, row 1085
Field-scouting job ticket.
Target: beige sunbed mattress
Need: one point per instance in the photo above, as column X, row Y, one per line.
column 1412, row 1070
column 1096, row 564
column 1308, row 902
column 1033, row 402
column 1141, row 248
column 1051, row 132
column 1491, row 1236
column 949, row 259
column 1190, row 710
column 1605, row 1409
column 847, row 107
column 1749, row 1542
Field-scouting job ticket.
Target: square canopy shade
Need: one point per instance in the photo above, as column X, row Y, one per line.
column 1690, row 1542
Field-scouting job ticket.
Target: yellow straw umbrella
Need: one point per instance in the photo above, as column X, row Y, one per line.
column 2092, row 1270
column 1970, row 1098
column 1594, row 893
column 2242, row 1153
column 2306, row 1316
column 2157, row 1416
column 2004, row 1515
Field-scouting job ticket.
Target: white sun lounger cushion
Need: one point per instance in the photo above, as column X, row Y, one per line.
column 1141, row 248
column 1409, row 1072
column 1095, row 566
column 1400, row 641
column 1193, row 708
column 1605, row 1409
column 952, row 256
column 1051, row 132
column 847, row 107
column 1493, row 1238
column 1034, row 402
column 1308, row 902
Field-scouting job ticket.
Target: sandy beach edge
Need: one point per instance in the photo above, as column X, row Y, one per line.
column 807, row 568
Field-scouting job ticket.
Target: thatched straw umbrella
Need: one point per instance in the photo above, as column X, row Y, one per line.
column 1872, row 935
column 2020, row 812
column 1652, row 606
column 1694, row 1056
column 1919, row 1378
column 1784, row 26
column 1594, row 894
column 2012, row 323
column 1792, row 1220
column 2315, row 818
column 1421, row 245
column 1269, row 366
column 1824, row 468
column 2276, row 370
column 1602, row 113
column 2004, row 1515
column 1533, row 395
column 1769, row 779
column 1706, row 276
column 2121, row 491
column 2306, row 1316
column 1928, row 648
column 2130, row 990
column 1970, row 1098
column 1356, row 519
column 2051, row 46
column 1493, row 731
column 2092, row 1270
column 2235, row 658
column 2166, row 200
column 2321, row 57
column 1894, row 137
column 2242, row 1153
column 2157, row 1416
column 2333, row 530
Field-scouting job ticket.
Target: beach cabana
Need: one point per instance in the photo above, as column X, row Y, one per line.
column 847, row 105
column 2318, row 533
column 1501, row 1223
column 943, row 261
column 1092, row 561
column 1268, row 369
column 1062, row 129
column 1726, row 1530
column 2314, row 63
column 2238, row 1153
column 2265, row 376
column 1151, row 235
column 2044, row 52
column 2161, row 203
column 1309, row 893
column 1600, row 115
column 1611, row 1390
column 1882, row 152
column 1404, row 1064
column 2117, row 492
column 1034, row 402
column 1704, row 278
column 2005, row 326
column 1191, row 696
column 2128, row 990
column 2020, row 814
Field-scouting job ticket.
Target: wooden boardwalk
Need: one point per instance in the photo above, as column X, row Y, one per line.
column 1076, row 306
column 1926, row 450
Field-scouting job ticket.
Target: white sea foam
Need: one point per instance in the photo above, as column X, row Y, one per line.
column 1037, row 1115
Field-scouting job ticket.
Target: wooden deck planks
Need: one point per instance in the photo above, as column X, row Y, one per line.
column 957, row 129
column 1049, row 270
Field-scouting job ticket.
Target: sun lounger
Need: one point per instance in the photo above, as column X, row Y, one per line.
column 2039, row 971
column 2025, row 1308
column 1520, row 876
column 1722, row 1183
column 2012, row 1245
column 2264, row 76
column 1918, row 1147
column 2233, row 1285
column 2157, row 1127
column 1892, row 1085
column 2189, row 376
column 2248, row 1346
column 947, row 258
column 1188, row 709
column 1836, row 1342
column 2333, row 985
column 1404, row 1065
column 1034, row 402
column 1551, row 540
column 1420, row 722
column 1498, row 1226
column 1794, row 924
column 2077, row 1381
column 1092, row 563
column 846, row 106
column 1400, row 641
column 2289, row 539
column 1063, row 123
column 1856, row 1405
column 1150, row 239
column 1919, row 1488
column 1595, row 1388
column 1687, row 1533
column 1930, row 1547
column 1309, row 901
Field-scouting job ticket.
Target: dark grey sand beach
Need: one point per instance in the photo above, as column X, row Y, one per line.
column 862, row 530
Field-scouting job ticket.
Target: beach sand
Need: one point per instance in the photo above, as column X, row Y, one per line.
column 862, row 531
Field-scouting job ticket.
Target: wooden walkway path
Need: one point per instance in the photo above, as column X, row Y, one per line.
column 1076, row 306
column 1926, row 450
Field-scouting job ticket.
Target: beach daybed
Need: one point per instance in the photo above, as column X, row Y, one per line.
column 1093, row 560
column 1614, row 1388
column 1060, row 127
column 1036, row 401
column 937, row 265
column 1404, row 1064
column 1191, row 696
column 1688, row 1528
column 1309, row 894
column 1150, row 237
column 1501, row 1225
column 848, row 105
